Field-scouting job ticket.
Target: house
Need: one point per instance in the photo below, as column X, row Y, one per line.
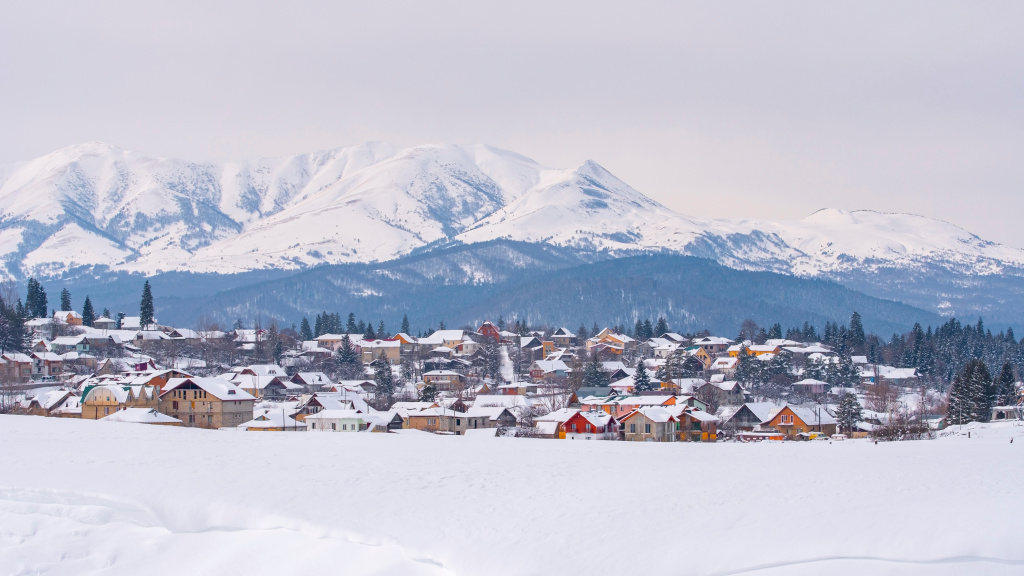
column 649, row 424
column 372, row 349
column 347, row 421
column 105, row 399
column 563, row 338
column 489, row 417
column 749, row 416
column 68, row 317
column 312, row 381
column 104, row 323
column 795, row 420
column 725, row 364
column 444, row 380
column 810, row 386
column 548, row 370
column 59, row 403
column 552, row 424
column 693, row 425
column 489, row 331
column 264, row 385
column 273, row 420
column 591, row 425
column 142, row 416
column 447, row 338
column 15, row 367
column 592, row 391
column 713, row 345
column 321, row 401
column 438, row 420
column 724, row 392
column 334, row 341
column 206, row 402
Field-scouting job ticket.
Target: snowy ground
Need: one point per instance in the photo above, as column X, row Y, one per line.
column 83, row 497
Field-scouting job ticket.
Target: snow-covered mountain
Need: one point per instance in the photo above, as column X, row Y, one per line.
column 95, row 204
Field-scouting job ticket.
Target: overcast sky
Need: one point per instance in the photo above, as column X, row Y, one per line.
column 718, row 109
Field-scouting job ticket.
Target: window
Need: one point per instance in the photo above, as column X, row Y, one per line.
column 632, row 428
column 174, row 405
column 458, row 421
column 647, row 428
column 106, row 409
column 333, row 426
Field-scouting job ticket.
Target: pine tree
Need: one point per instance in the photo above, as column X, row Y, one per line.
column 855, row 335
column 967, row 401
column 351, row 327
column 384, row 377
column 106, row 313
column 984, row 390
column 88, row 314
column 348, row 360
column 305, row 332
column 848, row 412
column 648, row 329
column 14, row 336
column 641, row 379
column 369, row 334
column 1006, row 388
column 593, row 376
column 146, row 310
column 381, row 333
column 440, row 326
column 65, row 300
column 662, row 327
column 405, row 324
column 775, row 332
column 35, row 301
column 638, row 330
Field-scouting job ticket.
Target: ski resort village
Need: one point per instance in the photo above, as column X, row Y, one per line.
column 503, row 379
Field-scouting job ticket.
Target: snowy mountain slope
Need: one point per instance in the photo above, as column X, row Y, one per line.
column 95, row 204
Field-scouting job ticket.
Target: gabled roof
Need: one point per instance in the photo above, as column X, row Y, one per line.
column 652, row 413
column 217, row 387
column 140, row 416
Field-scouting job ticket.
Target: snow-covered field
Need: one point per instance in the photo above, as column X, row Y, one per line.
column 85, row 497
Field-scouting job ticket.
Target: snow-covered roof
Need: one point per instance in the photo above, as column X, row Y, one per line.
column 272, row 418
column 217, row 387
column 140, row 416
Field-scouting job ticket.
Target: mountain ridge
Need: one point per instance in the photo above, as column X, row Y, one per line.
column 95, row 206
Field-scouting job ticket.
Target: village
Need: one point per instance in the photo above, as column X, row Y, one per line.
column 496, row 380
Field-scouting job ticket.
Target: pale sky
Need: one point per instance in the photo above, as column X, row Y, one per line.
column 716, row 109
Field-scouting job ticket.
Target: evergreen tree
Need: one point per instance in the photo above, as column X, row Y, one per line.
column 383, row 377
column 440, row 326
column 305, row 332
column 369, row 334
column 349, row 363
column 106, row 313
column 638, row 330
column 581, row 334
column 405, row 324
column 594, row 330
column 855, row 335
column 1006, row 392
column 381, row 333
column 146, row 310
column 648, row 329
column 351, row 327
column 641, row 379
column 848, row 412
column 491, row 352
column 662, row 327
column 14, row 336
column 88, row 315
column 428, row 393
column 593, row 376
column 36, row 302
column 961, row 404
column 119, row 320
column 775, row 332
column 65, row 300
column 318, row 326
column 985, row 390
